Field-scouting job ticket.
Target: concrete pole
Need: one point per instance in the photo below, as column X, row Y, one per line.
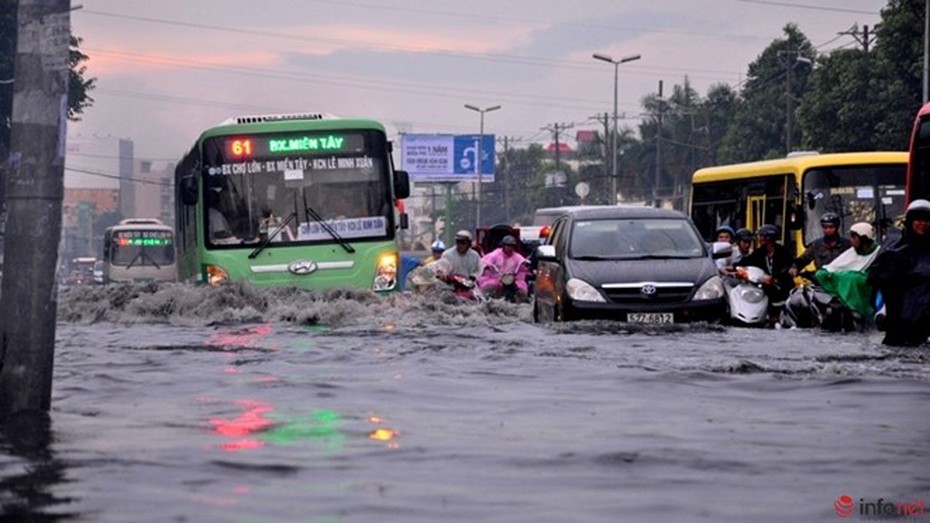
column 34, row 190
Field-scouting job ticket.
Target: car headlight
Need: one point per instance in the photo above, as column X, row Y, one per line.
column 582, row 291
column 712, row 289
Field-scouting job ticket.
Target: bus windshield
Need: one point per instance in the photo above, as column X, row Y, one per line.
column 856, row 193
column 297, row 187
column 141, row 248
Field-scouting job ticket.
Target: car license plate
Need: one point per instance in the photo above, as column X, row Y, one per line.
column 650, row 317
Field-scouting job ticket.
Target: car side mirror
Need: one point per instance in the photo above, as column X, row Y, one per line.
column 721, row 250
column 545, row 253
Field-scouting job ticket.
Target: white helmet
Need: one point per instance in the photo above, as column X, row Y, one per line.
column 919, row 205
column 438, row 246
column 463, row 235
column 863, row 229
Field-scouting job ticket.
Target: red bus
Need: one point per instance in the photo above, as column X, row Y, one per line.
column 918, row 162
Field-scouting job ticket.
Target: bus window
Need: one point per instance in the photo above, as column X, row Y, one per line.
column 856, row 193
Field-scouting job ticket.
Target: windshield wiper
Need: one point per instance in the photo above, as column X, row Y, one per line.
column 143, row 255
column 327, row 227
column 270, row 236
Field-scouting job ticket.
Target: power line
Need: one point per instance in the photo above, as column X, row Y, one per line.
column 118, row 177
column 806, row 6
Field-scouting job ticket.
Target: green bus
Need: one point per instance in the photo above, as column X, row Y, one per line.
column 305, row 200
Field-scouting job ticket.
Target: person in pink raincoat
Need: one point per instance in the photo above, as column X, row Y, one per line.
column 504, row 272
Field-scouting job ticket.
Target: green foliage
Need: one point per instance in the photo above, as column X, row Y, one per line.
column 79, row 86
column 758, row 127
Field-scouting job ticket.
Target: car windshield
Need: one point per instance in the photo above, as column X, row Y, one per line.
column 635, row 238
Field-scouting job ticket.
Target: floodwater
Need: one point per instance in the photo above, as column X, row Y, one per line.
column 192, row 404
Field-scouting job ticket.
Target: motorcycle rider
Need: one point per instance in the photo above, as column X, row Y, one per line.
column 902, row 273
column 823, row 250
column 724, row 234
column 437, row 248
column 775, row 259
column 744, row 238
column 505, row 271
column 844, row 278
column 742, row 247
column 463, row 261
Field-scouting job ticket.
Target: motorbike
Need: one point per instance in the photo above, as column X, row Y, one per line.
column 748, row 302
column 508, row 282
column 434, row 278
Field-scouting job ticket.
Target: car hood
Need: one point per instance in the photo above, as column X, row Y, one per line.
column 600, row 272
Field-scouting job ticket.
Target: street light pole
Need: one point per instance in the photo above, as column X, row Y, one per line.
column 613, row 141
column 478, row 157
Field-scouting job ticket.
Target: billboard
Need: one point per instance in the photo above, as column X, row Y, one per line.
column 447, row 157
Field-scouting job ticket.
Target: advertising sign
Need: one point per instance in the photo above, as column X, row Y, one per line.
column 446, row 157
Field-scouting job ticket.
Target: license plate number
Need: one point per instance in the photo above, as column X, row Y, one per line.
column 650, row 317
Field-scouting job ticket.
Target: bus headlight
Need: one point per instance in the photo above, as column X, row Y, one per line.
column 386, row 273
column 216, row 275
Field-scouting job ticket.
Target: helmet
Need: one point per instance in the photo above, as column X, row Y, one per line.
column 767, row 231
column 725, row 228
column 830, row 218
column 863, row 229
column 463, row 235
column 744, row 234
column 919, row 205
column 438, row 246
column 509, row 240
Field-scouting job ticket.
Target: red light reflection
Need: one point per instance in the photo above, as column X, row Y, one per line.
column 251, row 421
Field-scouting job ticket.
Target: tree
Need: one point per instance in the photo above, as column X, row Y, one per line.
column 842, row 109
column 758, row 128
column 79, row 85
column 899, row 71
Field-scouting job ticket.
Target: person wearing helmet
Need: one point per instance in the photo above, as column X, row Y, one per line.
column 505, row 271
column 825, row 249
column 462, row 260
column 901, row 272
column 437, row 248
column 775, row 259
column 845, row 280
column 743, row 244
column 725, row 233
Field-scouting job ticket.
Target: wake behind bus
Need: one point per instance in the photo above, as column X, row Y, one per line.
column 139, row 250
column 306, row 200
column 793, row 193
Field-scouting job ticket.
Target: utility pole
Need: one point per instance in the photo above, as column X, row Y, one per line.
column 655, row 185
column 34, row 191
column 863, row 40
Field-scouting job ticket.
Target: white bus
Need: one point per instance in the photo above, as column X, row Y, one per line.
column 139, row 250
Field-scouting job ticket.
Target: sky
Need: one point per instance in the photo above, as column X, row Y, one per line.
column 169, row 69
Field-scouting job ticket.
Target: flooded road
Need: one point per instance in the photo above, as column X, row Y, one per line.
column 238, row 405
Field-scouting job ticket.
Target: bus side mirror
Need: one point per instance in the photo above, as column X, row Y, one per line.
column 189, row 190
column 401, row 184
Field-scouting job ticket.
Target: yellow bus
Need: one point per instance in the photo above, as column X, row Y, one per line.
column 792, row 193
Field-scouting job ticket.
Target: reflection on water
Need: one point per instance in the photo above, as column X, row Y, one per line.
column 179, row 403
column 30, row 472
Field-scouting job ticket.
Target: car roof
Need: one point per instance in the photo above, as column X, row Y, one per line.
column 622, row 211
